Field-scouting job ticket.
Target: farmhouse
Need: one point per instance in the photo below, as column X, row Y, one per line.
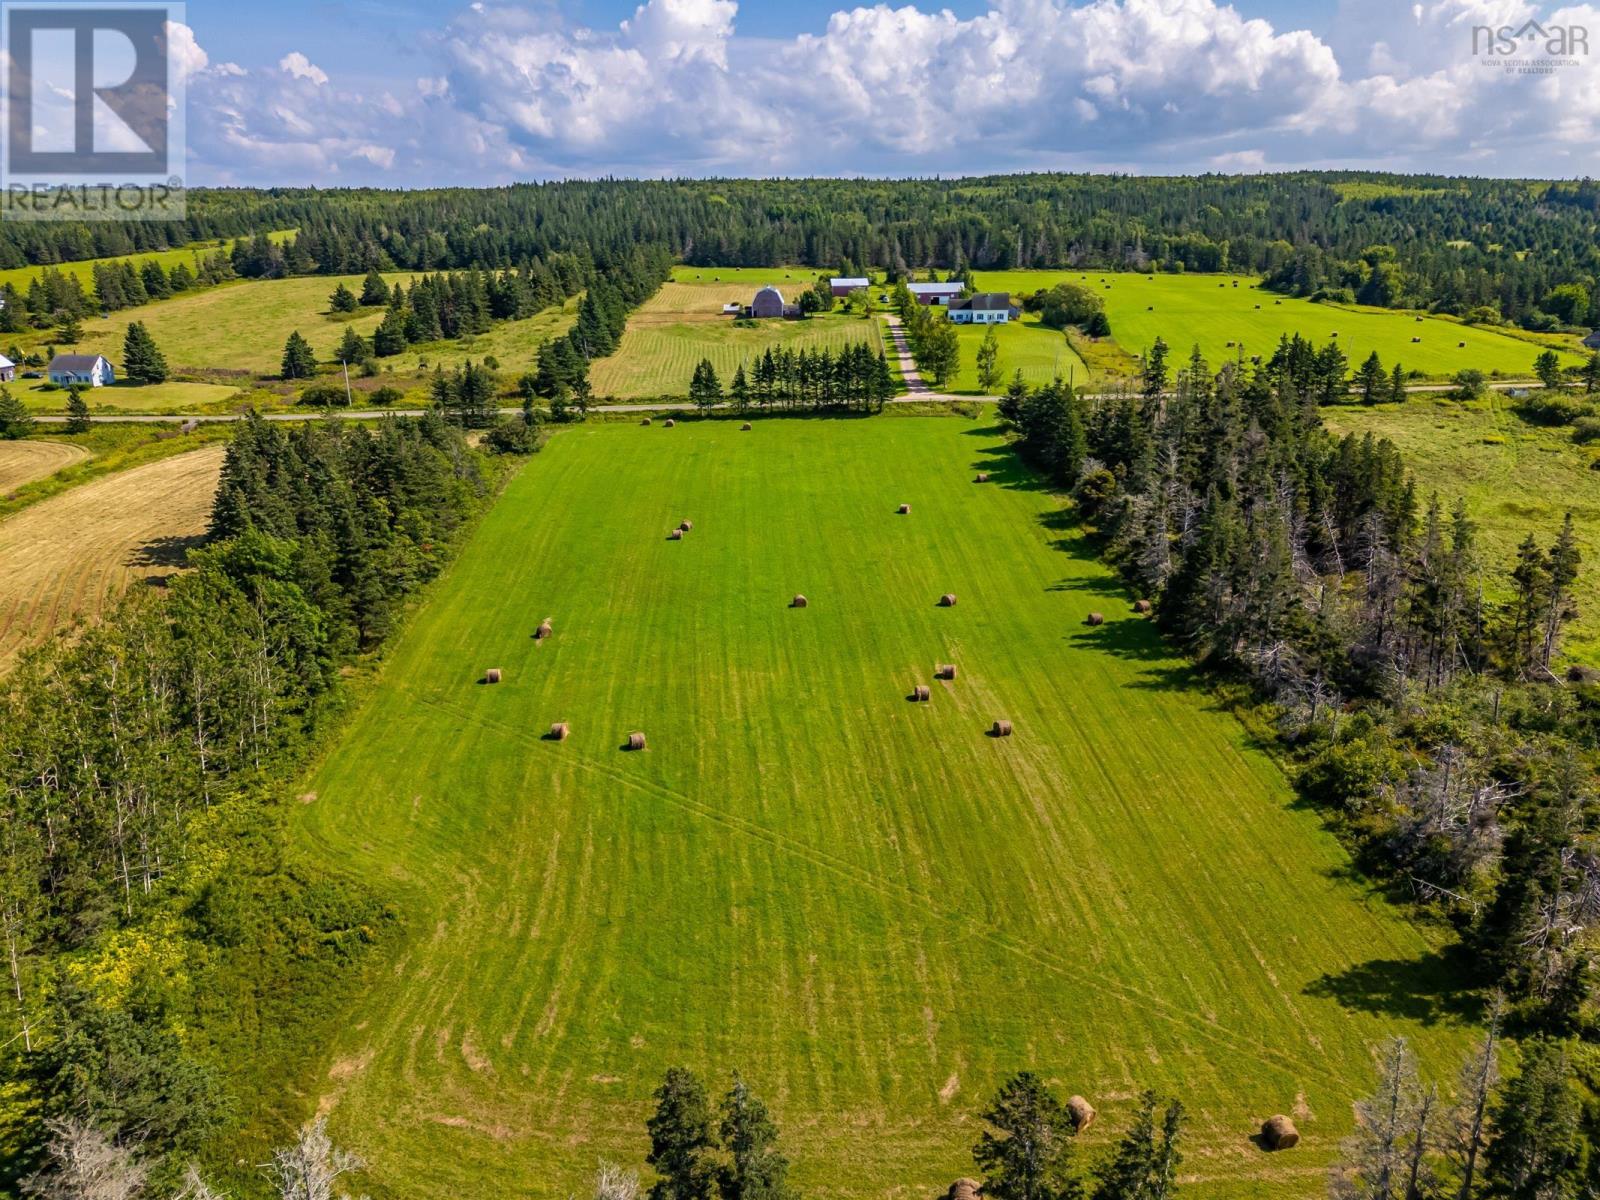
column 8, row 370
column 768, row 303
column 1593, row 340
column 91, row 370
column 985, row 308
column 843, row 285
column 935, row 293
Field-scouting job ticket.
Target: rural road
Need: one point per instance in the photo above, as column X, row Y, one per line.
column 922, row 397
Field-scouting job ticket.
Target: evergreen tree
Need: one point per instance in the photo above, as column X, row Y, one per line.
column 343, row 300
column 1538, row 1151
column 989, row 361
column 71, row 329
column 681, row 1142
column 1548, row 368
column 142, row 362
column 1371, row 381
column 756, row 1170
column 1154, row 376
column 1397, row 385
column 77, row 411
column 1145, row 1164
column 1032, row 1156
column 1591, row 374
column 353, row 348
column 298, row 360
column 374, row 290
column 389, row 338
column 15, row 420
column 740, row 389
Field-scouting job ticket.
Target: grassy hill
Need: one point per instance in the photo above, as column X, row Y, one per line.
column 868, row 906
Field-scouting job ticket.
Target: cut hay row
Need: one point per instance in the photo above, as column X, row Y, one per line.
column 25, row 461
column 73, row 554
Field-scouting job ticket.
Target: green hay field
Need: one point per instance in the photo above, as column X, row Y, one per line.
column 1039, row 353
column 20, row 277
column 1209, row 310
column 683, row 323
column 1517, row 478
column 868, row 906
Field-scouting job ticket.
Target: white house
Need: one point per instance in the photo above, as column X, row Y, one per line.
column 985, row 308
column 8, row 370
column 934, row 293
column 87, row 370
column 843, row 285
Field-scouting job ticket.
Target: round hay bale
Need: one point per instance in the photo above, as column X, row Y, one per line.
column 1141, row 606
column 921, row 693
column 948, row 600
column 492, row 675
column 1279, row 1133
column 1081, row 1112
column 646, row 421
column 559, row 731
column 963, row 1189
column 1095, row 618
column 1415, row 340
column 636, row 741
column 669, row 422
column 945, row 671
column 746, row 427
column 983, row 477
column 799, row 602
column 675, row 536
column 1461, row 345
column 1001, row 729
column 686, row 526
column 905, row 510
column 544, row 630
column 1150, row 308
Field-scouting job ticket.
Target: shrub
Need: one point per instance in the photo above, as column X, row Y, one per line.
column 513, row 436
column 387, row 396
column 1333, row 295
column 1552, row 408
column 324, row 395
column 1586, row 430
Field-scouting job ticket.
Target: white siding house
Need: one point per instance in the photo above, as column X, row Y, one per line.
column 86, row 370
column 986, row 308
column 8, row 370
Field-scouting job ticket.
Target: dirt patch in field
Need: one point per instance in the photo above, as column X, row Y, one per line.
column 24, row 462
column 73, row 554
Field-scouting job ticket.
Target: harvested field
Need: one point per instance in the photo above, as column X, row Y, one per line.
column 71, row 555
column 24, row 461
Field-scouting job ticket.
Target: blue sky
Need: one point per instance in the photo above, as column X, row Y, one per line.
column 399, row 93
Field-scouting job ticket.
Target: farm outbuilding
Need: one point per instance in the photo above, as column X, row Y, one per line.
column 767, row 303
column 1592, row 342
column 843, row 285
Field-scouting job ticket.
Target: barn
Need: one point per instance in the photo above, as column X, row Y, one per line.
column 935, row 293
column 843, row 285
column 768, row 303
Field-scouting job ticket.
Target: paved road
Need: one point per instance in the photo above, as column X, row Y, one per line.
column 922, row 397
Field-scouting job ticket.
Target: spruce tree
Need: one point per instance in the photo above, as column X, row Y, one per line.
column 681, row 1143
column 757, row 1170
column 71, row 330
column 77, row 411
column 1370, row 380
column 1032, row 1161
column 298, row 360
column 989, row 361
column 374, row 290
column 1538, row 1148
column 15, row 420
column 142, row 362
column 343, row 300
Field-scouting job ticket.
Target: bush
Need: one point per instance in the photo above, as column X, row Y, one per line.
column 1333, row 295
column 1586, row 430
column 1553, row 408
column 1484, row 314
column 513, row 436
column 324, row 395
column 386, row 397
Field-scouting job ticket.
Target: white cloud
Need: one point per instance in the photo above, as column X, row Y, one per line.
column 301, row 67
column 511, row 91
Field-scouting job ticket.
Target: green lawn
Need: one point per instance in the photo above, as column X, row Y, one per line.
column 1040, row 354
column 172, row 396
column 683, row 323
column 870, row 907
column 1517, row 478
column 1211, row 311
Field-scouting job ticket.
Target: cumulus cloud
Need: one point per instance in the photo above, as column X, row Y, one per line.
column 509, row 91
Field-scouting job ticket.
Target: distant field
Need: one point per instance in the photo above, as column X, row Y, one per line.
column 71, row 555
column 868, row 906
column 1041, row 355
column 20, row 277
column 1213, row 310
column 1517, row 478
column 683, row 323
column 743, row 281
column 155, row 397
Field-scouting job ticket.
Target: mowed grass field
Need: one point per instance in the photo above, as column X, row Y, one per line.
column 20, row 277
column 1039, row 353
column 683, row 323
column 868, row 906
column 172, row 396
column 1517, row 478
column 1212, row 310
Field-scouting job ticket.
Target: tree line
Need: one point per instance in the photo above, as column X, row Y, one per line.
column 164, row 963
